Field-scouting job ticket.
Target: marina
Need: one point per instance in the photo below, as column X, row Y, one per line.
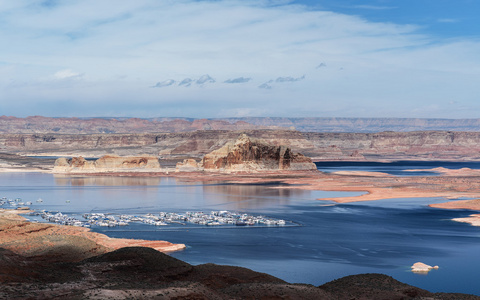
column 213, row 218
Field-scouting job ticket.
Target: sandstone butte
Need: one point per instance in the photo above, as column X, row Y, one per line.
column 248, row 154
column 56, row 241
column 243, row 155
column 106, row 164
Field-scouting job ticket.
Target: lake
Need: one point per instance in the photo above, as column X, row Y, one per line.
column 334, row 240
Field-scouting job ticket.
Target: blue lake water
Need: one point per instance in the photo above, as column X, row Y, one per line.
column 396, row 167
column 385, row 236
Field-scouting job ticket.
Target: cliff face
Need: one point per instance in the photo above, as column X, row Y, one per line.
column 106, row 163
column 440, row 145
column 253, row 154
column 365, row 124
column 45, row 125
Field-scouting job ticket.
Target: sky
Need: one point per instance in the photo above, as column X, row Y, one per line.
column 262, row 58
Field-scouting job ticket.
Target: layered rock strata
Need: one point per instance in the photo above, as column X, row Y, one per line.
column 42, row 125
column 107, row 163
column 39, row 124
column 247, row 154
column 188, row 165
column 423, row 145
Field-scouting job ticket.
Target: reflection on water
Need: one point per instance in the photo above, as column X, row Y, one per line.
column 106, row 180
column 246, row 197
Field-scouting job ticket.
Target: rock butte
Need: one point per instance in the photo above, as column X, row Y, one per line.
column 107, row 164
column 243, row 155
column 247, row 154
column 420, row 267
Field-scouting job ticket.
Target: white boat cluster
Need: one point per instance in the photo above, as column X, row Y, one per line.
column 214, row 218
column 59, row 218
column 13, row 202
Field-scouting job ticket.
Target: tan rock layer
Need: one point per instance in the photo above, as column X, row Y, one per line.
column 107, row 163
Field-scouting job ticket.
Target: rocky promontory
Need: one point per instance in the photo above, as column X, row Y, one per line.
column 62, row 243
column 248, row 154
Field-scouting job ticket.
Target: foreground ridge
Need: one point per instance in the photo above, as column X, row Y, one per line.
column 138, row 272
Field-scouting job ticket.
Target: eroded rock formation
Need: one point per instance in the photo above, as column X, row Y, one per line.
column 188, row 165
column 107, row 163
column 247, row 154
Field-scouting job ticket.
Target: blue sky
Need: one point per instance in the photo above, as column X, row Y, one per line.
column 212, row 59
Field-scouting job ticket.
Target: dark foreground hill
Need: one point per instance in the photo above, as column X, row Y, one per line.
column 144, row 273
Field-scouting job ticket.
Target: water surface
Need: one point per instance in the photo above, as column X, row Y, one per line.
column 385, row 236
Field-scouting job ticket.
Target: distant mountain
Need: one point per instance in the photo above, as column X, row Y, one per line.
column 46, row 125
column 38, row 124
column 364, row 124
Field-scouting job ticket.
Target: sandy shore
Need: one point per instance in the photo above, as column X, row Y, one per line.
column 33, row 239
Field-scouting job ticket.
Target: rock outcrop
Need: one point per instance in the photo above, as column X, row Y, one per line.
column 248, row 154
column 420, row 267
column 188, row 165
column 107, row 163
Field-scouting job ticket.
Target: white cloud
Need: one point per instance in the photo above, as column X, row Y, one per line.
column 448, row 21
column 374, row 7
column 164, row 83
column 67, row 74
column 205, row 79
column 186, row 82
column 265, row 86
column 127, row 45
column 289, row 79
column 238, row 80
